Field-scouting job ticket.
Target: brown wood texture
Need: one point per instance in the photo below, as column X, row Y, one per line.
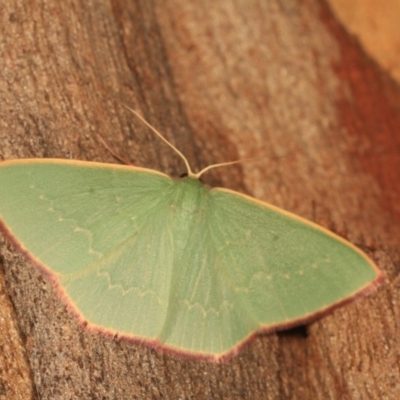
column 376, row 25
column 222, row 80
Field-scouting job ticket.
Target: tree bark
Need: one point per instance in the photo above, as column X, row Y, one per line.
column 222, row 81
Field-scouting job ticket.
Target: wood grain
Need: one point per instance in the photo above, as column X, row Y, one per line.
column 376, row 25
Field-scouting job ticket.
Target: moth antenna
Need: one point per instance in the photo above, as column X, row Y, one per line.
column 189, row 170
column 112, row 152
column 223, row 164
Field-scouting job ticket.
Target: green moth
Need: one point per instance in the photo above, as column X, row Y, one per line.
column 173, row 263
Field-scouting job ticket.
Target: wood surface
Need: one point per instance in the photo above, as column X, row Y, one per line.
column 375, row 23
column 280, row 80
